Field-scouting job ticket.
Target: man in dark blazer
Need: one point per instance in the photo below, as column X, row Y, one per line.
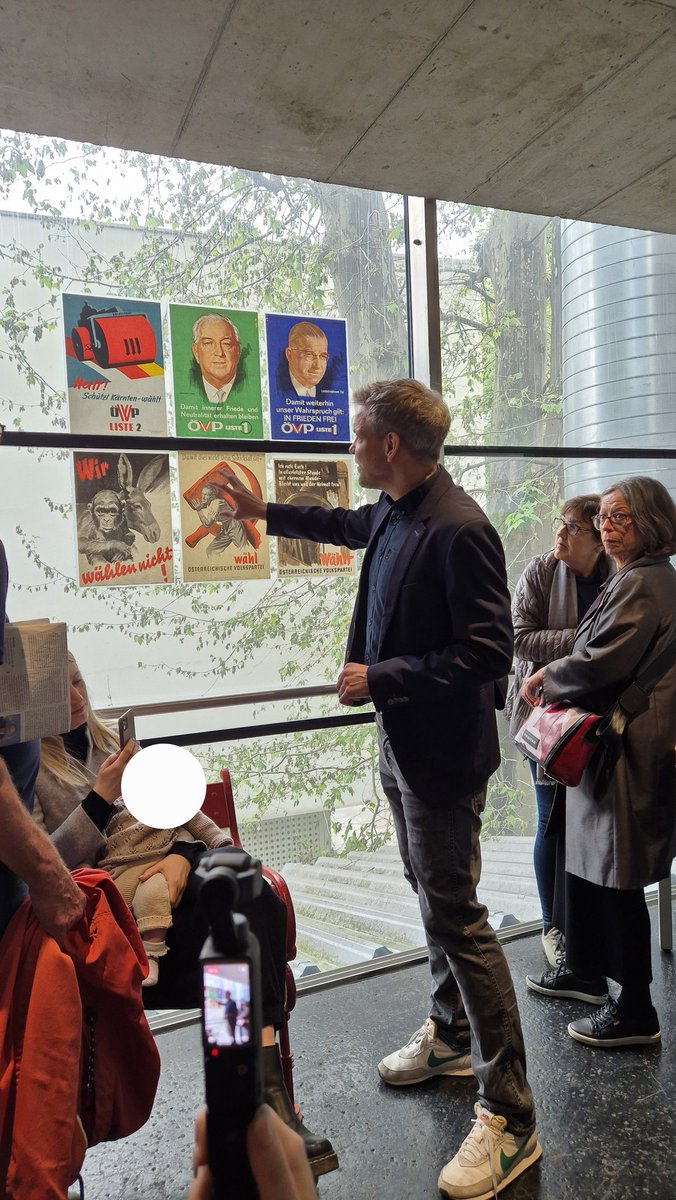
column 429, row 646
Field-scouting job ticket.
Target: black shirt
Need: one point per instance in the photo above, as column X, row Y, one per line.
column 391, row 537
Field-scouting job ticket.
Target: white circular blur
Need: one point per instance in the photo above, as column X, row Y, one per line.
column 163, row 786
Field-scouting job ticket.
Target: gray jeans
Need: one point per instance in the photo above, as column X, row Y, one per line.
column 472, row 993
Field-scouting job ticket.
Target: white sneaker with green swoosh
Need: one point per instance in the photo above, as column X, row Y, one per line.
column 424, row 1057
column 489, row 1159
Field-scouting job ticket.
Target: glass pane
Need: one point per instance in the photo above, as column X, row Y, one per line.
column 84, row 218
column 555, row 332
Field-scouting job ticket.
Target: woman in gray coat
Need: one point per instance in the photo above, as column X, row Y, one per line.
column 619, row 841
column 550, row 599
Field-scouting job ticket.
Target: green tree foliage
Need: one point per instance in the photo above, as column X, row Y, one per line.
column 212, row 234
column 209, row 234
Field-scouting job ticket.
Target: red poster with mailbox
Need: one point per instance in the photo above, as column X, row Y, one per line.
column 114, row 365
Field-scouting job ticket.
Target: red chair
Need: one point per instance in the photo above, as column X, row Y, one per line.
column 219, row 805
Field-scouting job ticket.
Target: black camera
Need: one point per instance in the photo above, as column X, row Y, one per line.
column 231, row 1016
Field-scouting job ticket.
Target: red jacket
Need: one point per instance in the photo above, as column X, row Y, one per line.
column 50, row 1001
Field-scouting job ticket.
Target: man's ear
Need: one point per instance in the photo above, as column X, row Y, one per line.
column 392, row 444
column 194, row 352
column 287, row 354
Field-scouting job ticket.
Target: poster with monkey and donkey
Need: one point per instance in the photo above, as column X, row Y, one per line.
column 124, row 526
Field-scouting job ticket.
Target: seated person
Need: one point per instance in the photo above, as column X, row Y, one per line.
column 132, row 849
column 77, row 786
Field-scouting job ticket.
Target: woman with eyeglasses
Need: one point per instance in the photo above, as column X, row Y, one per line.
column 550, row 600
column 620, row 835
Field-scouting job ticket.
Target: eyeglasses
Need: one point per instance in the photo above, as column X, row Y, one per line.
column 310, row 354
column 571, row 527
column 618, row 519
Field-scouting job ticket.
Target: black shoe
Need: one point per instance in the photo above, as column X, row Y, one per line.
column 562, row 983
column 321, row 1155
column 610, row 1026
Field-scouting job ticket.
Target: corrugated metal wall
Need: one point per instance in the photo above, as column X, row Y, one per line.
column 619, row 350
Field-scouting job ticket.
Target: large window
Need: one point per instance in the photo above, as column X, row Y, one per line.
column 86, row 219
column 556, row 337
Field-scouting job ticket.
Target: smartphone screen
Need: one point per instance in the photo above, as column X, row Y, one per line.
column 227, row 1002
column 126, row 727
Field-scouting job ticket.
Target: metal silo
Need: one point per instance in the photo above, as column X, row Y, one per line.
column 619, row 351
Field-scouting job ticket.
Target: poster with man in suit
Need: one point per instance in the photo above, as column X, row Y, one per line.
column 216, row 372
column 307, row 377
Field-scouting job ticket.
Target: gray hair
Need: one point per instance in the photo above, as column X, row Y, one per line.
column 586, row 507
column 406, row 407
column 212, row 317
column 653, row 510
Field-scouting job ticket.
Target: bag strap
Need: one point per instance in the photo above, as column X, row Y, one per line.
column 635, row 698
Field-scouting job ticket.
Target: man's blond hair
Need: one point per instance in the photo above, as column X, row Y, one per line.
column 410, row 409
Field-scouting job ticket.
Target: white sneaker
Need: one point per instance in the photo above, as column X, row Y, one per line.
column 489, row 1159
column 554, row 946
column 424, row 1057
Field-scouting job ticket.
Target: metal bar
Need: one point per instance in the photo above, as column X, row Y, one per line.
column 664, row 914
column 72, row 441
column 561, row 452
column 422, row 271
column 205, row 702
column 113, row 441
column 271, row 729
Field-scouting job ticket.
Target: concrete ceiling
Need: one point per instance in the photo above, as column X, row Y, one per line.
column 552, row 106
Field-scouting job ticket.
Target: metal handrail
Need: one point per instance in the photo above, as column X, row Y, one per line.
column 163, row 708
column 83, row 441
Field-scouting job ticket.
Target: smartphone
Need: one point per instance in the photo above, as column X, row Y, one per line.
column 231, row 1025
column 126, row 727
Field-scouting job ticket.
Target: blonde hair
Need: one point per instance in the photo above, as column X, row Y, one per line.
column 58, row 762
column 406, row 407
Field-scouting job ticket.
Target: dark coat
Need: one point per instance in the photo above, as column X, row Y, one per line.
column 625, row 838
column 446, row 635
column 544, row 613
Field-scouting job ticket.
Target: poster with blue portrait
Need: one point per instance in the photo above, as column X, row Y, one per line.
column 307, row 378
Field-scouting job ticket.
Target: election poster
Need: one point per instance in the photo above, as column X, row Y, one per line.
column 124, row 527
column 316, row 481
column 114, row 365
column 307, row 378
column 214, row 544
column 216, row 371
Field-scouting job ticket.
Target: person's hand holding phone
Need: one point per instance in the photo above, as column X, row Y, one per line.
column 126, row 727
column 276, row 1155
column 108, row 782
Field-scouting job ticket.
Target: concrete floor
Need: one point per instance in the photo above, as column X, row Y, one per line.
column 607, row 1119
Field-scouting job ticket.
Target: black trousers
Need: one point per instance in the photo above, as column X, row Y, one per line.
column 179, row 984
column 607, row 932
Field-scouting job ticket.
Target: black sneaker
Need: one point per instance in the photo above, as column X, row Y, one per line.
column 611, row 1027
column 562, row 983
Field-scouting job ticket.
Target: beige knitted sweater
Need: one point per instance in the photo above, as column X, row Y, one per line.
column 128, row 841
